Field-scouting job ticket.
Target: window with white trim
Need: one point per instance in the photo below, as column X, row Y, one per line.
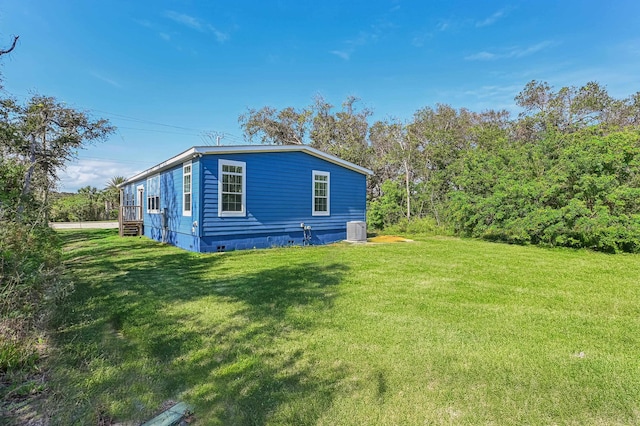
column 232, row 188
column 321, row 185
column 153, row 194
column 186, row 189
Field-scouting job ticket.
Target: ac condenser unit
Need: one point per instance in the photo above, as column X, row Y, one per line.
column 357, row 232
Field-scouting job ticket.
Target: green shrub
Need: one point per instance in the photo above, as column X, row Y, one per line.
column 388, row 208
column 31, row 281
column 416, row 226
column 581, row 191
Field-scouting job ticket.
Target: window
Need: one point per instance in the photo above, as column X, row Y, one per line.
column 186, row 189
column 127, row 196
column 320, row 193
column 232, row 188
column 153, row 194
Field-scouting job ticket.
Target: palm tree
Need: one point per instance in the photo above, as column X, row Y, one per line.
column 91, row 196
column 114, row 182
column 112, row 194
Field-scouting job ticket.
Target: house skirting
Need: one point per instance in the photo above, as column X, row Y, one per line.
column 224, row 243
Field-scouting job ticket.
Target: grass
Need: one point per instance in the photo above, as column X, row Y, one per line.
column 436, row 331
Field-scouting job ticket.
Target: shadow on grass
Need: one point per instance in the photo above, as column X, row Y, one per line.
column 71, row 236
column 225, row 332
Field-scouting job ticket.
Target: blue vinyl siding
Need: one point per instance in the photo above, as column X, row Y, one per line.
column 279, row 197
column 180, row 231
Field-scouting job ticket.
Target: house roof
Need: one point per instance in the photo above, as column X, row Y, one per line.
column 198, row 151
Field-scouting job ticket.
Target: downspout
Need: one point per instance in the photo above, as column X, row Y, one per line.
column 164, row 223
column 200, row 197
column 198, row 205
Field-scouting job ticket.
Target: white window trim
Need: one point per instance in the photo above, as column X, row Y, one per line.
column 242, row 164
column 150, row 194
column 139, row 197
column 186, row 212
column 313, row 193
column 136, row 198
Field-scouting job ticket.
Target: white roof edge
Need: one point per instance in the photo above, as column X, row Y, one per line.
column 188, row 154
column 231, row 149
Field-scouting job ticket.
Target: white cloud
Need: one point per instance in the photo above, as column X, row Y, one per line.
column 492, row 92
column 363, row 38
column 92, row 172
column 106, row 80
column 181, row 18
column 485, row 97
column 419, row 40
column 443, row 25
column 518, row 53
column 196, row 24
column 481, row 56
column 341, row 54
column 491, row 19
column 143, row 23
column 220, row 36
column 512, row 52
column 165, row 36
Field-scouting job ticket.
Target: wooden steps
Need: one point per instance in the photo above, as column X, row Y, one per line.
column 131, row 229
column 130, row 220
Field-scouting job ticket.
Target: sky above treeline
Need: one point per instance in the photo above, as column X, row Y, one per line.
column 174, row 74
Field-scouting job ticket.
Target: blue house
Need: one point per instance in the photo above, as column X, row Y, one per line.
column 223, row 198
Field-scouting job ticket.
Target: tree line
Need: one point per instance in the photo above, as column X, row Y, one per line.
column 88, row 203
column 564, row 172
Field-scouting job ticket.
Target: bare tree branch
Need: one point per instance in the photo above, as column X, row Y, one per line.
column 13, row 46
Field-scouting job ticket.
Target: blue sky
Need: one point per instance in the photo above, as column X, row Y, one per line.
column 169, row 74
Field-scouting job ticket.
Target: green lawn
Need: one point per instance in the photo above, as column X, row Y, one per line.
column 436, row 331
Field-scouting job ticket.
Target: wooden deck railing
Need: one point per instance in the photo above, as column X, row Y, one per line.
column 130, row 213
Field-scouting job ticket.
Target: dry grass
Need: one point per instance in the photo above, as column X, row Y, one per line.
column 388, row 239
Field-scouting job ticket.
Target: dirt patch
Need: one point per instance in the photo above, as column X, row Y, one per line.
column 388, row 239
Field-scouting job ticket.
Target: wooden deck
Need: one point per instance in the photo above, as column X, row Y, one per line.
column 130, row 221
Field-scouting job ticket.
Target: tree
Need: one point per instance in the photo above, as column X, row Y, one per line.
column 111, row 194
column 286, row 127
column 567, row 110
column 343, row 134
column 383, row 161
column 9, row 50
column 44, row 135
column 623, row 113
column 564, row 172
column 387, row 209
column 391, row 143
column 441, row 136
column 11, row 47
column 113, row 182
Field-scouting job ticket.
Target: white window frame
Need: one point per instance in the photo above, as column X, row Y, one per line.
column 187, row 207
column 243, row 212
column 313, row 193
column 151, row 188
column 138, row 197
